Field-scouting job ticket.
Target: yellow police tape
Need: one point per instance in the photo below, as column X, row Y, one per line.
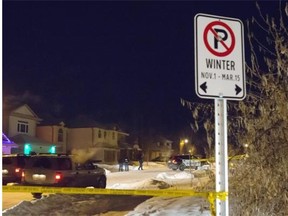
column 75, row 190
column 210, row 196
column 212, row 159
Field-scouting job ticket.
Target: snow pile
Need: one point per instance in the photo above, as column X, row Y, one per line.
column 147, row 184
column 168, row 206
column 69, row 205
column 181, row 175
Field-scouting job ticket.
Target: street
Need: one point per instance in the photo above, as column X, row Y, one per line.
column 152, row 177
column 10, row 199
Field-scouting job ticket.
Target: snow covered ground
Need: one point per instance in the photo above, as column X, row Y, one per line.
column 154, row 176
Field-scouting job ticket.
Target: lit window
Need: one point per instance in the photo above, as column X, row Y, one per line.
column 22, row 127
column 60, row 135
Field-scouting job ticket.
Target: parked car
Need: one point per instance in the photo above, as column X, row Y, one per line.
column 184, row 161
column 62, row 171
column 12, row 167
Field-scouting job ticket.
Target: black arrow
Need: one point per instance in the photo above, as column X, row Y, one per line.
column 203, row 86
column 237, row 89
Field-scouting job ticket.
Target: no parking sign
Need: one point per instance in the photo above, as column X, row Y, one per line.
column 220, row 74
column 219, row 57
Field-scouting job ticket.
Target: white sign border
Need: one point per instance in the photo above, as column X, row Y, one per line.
column 204, row 96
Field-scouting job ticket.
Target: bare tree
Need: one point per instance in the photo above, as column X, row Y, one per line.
column 260, row 186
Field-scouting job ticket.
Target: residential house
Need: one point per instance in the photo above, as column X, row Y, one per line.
column 54, row 132
column 89, row 139
column 83, row 137
column 20, row 124
column 159, row 147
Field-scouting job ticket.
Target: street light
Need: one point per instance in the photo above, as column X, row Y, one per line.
column 246, row 149
column 190, row 166
column 182, row 143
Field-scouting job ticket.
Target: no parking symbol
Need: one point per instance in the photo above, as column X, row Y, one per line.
column 221, row 34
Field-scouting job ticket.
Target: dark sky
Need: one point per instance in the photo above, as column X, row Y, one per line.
column 119, row 61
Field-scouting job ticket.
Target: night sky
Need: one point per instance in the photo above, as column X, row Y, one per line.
column 128, row 62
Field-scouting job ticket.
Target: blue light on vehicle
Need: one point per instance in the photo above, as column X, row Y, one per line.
column 52, row 150
column 27, row 149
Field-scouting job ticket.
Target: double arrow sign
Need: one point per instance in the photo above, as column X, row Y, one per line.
column 204, row 87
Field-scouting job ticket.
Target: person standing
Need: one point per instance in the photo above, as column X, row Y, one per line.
column 126, row 164
column 140, row 159
column 121, row 164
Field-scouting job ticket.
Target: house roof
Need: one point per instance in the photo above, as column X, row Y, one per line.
column 81, row 121
column 5, row 139
column 87, row 122
column 16, row 111
column 7, row 142
column 51, row 121
column 22, row 139
column 162, row 139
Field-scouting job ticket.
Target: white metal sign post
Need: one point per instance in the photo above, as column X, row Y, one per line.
column 221, row 155
column 220, row 75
